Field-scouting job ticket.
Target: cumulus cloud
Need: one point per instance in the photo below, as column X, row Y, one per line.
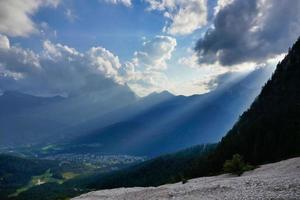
column 124, row 2
column 59, row 69
column 144, row 73
column 155, row 53
column 15, row 17
column 184, row 16
column 250, row 31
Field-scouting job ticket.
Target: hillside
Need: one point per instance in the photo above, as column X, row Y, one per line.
column 270, row 130
column 279, row 180
column 27, row 119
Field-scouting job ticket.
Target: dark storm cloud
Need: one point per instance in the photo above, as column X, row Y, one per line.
column 250, row 30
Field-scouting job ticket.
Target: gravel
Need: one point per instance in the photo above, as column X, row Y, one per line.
column 279, row 180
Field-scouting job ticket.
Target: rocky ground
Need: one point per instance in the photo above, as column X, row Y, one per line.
column 279, row 180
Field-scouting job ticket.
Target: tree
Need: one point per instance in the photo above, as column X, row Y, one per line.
column 236, row 165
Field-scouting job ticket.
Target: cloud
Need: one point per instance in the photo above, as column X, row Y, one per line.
column 250, row 31
column 222, row 4
column 184, row 16
column 59, row 69
column 146, row 82
column 144, row 73
column 4, row 42
column 194, row 86
column 15, row 17
column 211, row 75
column 70, row 15
column 124, row 2
column 155, row 53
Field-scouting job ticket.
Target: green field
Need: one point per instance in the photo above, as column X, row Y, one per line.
column 37, row 180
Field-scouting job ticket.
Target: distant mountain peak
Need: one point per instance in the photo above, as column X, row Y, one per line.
column 160, row 95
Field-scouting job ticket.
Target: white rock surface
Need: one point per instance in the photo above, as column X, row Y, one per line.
column 279, row 180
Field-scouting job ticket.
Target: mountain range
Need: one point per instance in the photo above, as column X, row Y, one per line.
column 156, row 124
column 176, row 122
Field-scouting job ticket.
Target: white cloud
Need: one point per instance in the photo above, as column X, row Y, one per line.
column 59, row 69
column 212, row 72
column 144, row 73
column 155, row 53
column 4, row 42
column 222, row 4
column 195, row 86
column 184, row 16
column 146, row 82
column 15, row 17
column 104, row 61
column 209, row 74
column 124, row 2
column 190, row 61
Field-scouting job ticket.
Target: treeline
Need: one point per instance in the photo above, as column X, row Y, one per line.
column 15, row 172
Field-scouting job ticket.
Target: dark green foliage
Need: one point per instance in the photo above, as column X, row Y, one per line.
column 15, row 172
column 183, row 180
column 48, row 191
column 236, row 165
column 164, row 169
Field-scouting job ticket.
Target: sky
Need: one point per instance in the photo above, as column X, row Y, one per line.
column 56, row 47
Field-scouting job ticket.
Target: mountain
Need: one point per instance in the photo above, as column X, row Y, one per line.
column 27, row 119
column 133, row 125
column 268, row 131
column 157, row 97
column 18, row 122
column 172, row 123
column 14, row 102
